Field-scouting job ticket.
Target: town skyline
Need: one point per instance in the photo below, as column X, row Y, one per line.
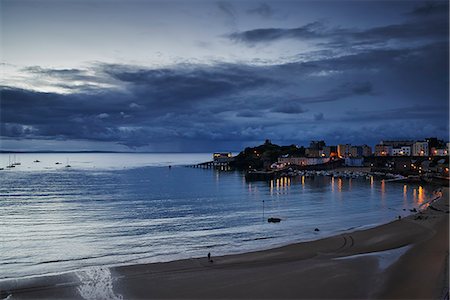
column 205, row 76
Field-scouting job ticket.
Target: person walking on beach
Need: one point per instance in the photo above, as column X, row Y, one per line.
column 209, row 256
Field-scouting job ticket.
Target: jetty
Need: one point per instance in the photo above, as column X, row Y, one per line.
column 211, row 165
column 221, row 160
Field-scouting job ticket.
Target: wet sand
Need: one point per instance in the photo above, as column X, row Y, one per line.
column 360, row 264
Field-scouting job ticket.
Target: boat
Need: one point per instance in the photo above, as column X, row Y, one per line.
column 16, row 163
column 36, row 161
column 274, row 220
column 10, row 164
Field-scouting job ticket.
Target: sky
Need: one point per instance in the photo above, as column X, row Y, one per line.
column 203, row 76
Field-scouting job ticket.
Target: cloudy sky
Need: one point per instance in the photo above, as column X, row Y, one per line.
column 220, row 75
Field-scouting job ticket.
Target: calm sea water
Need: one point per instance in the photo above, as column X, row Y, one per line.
column 110, row 209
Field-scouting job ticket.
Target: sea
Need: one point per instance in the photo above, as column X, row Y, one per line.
column 110, row 209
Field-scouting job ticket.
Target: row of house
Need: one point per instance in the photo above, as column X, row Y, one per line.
column 427, row 147
column 356, row 155
column 347, row 150
column 319, row 149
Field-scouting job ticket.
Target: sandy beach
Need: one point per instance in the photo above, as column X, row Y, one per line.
column 405, row 258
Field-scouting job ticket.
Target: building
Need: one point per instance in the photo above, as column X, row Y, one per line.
column 329, row 151
column 222, row 157
column 420, row 148
column 397, row 143
column 309, row 152
column 383, row 150
column 360, row 151
column 366, row 151
column 315, row 149
column 435, row 143
column 438, row 152
column 401, row 151
column 394, row 148
column 317, row 145
column 343, row 150
column 355, row 151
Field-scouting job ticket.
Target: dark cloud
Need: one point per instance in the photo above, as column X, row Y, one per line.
column 411, row 30
column 187, row 84
column 431, row 7
column 418, row 112
column 393, row 77
column 342, row 91
column 157, row 105
column 288, row 108
column 193, row 104
column 308, row 31
column 249, row 114
column 264, row 10
column 318, row 117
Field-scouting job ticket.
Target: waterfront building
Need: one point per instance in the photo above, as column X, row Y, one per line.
column 438, row 152
column 329, row 151
column 366, row 151
column 309, row 152
column 317, row 145
column 343, row 150
column 420, row 148
column 315, row 149
column 360, row 151
column 383, row 150
column 401, row 151
column 222, row 157
column 435, row 143
column 355, row 151
column 397, row 143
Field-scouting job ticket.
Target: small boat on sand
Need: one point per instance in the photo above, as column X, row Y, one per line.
column 274, row 220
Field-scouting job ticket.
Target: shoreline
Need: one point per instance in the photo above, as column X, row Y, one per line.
column 262, row 274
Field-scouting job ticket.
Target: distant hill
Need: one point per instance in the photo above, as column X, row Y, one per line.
column 50, row 151
column 264, row 155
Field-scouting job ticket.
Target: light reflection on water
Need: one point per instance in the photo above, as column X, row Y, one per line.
column 53, row 221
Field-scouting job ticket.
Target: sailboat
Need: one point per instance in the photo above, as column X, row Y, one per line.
column 10, row 165
column 67, row 165
column 16, row 163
